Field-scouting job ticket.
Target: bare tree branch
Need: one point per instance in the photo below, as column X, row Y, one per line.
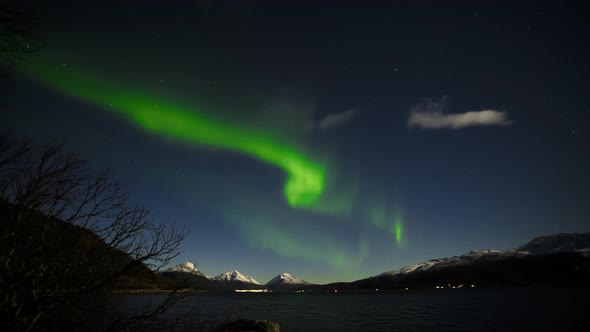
column 70, row 233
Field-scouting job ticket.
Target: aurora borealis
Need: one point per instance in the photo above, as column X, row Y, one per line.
column 332, row 146
column 305, row 181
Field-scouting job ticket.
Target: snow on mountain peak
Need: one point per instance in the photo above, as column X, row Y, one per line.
column 483, row 252
column 184, row 267
column 235, row 275
column 455, row 260
column 564, row 242
column 286, row 278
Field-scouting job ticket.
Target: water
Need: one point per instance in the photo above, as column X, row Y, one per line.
column 490, row 309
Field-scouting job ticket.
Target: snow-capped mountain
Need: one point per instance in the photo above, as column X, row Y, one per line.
column 286, row 280
column 236, row 276
column 469, row 257
column 564, row 242
column 186, row 267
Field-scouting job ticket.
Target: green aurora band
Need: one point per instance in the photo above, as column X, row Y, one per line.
column 306, row 183
column 381, row 217
column 305, row 178
column 285, row 243
column 398, row 232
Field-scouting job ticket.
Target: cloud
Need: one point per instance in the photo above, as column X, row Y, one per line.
column 458, row 120
column 430, row 115
column 334, row 120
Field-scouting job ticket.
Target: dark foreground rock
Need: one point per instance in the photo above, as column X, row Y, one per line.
column 250, row 325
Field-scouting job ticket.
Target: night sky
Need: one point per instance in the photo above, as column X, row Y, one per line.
column 332, row 141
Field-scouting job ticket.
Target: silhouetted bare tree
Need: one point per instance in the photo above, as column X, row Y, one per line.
column 68, row 234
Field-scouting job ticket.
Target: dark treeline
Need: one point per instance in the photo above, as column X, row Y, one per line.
column 68, row 236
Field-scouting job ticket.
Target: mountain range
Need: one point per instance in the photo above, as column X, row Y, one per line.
column 560, row 259
column 554, row 260
column 189, row 274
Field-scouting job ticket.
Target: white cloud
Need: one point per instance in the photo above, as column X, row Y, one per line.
column 433, row 120
column 430, row 115
column 336, row 119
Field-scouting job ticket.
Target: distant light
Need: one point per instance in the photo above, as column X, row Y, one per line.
column 472, row 286
column 252, row 291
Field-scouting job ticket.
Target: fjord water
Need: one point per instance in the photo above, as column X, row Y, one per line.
column 472, row 309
